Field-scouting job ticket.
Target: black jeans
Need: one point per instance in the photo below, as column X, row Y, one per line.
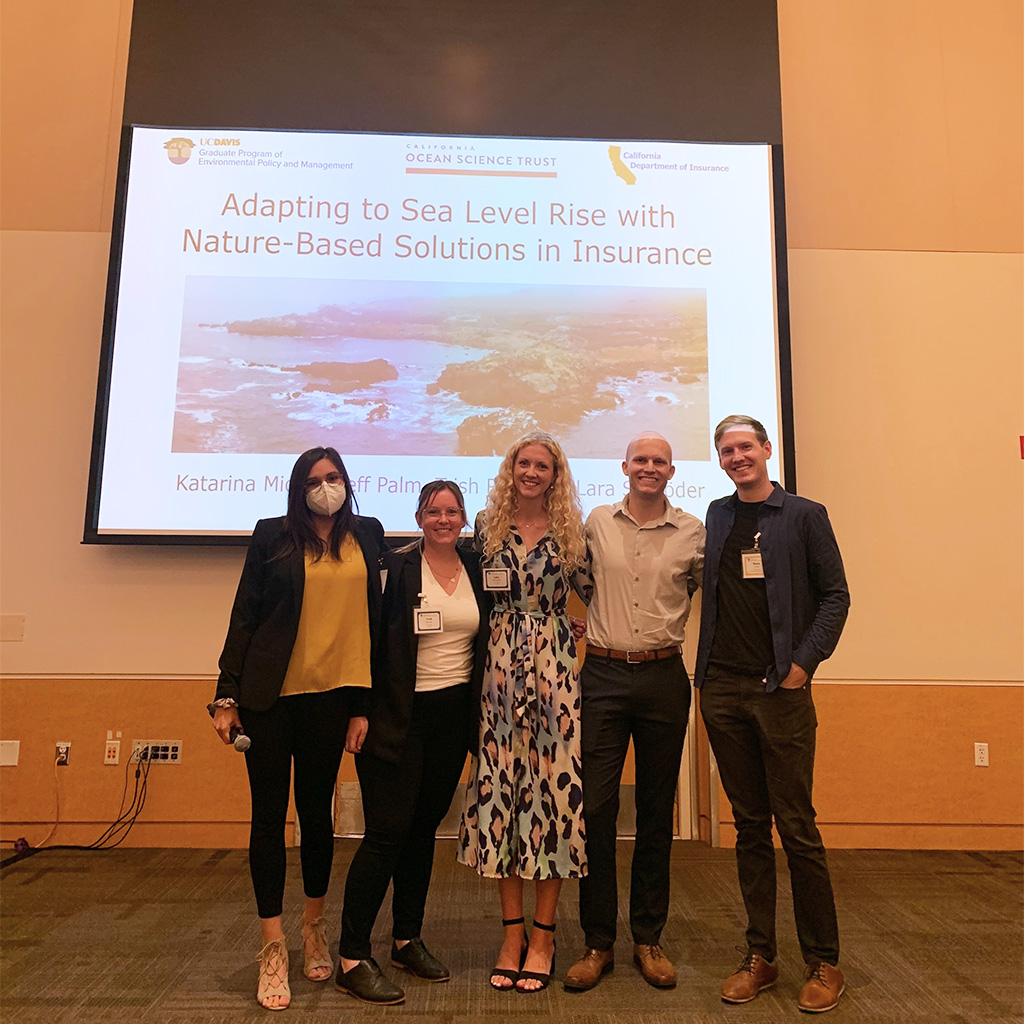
column 650, row 702
column 764, row 746
column 309, row 729
column 402, row 806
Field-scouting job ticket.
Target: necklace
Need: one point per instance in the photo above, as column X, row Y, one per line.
column 442, row 577
column 542, row 522
column 523, row 527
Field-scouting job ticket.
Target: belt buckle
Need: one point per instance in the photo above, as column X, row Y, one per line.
column 635, row 657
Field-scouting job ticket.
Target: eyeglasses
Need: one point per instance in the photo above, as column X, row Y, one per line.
column 436, row 513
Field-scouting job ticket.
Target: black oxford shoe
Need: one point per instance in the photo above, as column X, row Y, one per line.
column 417, row 959
column 366, row 982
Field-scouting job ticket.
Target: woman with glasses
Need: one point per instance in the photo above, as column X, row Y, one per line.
column 427, row 694
column 295, row 677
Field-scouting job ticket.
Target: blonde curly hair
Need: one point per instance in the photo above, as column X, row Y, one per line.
column 562, row 503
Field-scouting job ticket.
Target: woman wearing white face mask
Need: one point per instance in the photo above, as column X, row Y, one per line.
column 295, row 677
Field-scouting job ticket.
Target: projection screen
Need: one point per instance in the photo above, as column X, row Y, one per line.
column 418, row 302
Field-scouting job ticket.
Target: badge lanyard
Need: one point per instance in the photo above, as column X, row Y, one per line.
column 753, row 567
column 426, row 619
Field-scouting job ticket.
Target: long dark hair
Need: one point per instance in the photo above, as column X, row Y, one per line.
column 299, row 533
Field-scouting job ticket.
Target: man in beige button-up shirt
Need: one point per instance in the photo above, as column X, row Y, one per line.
column 647, row 560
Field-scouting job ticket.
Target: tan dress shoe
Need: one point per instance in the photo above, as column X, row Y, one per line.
column 656, row 968
column 822, row 989
column 754, row 974
column 589, row 968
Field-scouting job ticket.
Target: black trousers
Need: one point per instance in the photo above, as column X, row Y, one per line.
column 402, row 806
column 649, row 702
column 309, row 730
column 764, row 746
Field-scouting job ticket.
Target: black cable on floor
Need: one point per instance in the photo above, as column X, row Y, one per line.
column 126, row 818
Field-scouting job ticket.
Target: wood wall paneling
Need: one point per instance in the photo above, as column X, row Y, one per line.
column 895, row 767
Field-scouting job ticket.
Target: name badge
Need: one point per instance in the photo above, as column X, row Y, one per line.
column 497, row 579
column 753, row 569
column 427, row 620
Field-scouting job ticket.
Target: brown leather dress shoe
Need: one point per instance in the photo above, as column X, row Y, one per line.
column 754, row 974
column 822, row 989
column 589, row 969
column 656, row 968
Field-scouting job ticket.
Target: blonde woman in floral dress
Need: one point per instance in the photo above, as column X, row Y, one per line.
column 523, row 817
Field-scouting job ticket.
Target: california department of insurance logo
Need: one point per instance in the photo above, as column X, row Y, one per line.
column 179, row 150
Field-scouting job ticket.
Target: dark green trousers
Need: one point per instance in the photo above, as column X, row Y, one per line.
column 764, row 746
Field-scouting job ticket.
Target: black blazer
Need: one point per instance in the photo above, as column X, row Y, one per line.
column 394, row 678
column 265, row 615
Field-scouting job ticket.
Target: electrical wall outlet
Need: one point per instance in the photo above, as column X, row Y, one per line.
column 62, row 753
column 112, row 752
column 157, row 751
column 981, row 755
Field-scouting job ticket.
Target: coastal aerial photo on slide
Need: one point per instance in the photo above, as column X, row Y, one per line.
column 275, row 365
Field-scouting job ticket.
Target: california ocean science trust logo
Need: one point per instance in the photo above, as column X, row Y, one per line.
column 179, row 150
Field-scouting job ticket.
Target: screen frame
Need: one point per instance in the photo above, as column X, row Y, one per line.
column 92, row 533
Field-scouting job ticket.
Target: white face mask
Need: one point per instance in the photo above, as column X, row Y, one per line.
column 326, row 498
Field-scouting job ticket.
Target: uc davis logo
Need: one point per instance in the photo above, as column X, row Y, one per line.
column 179, row 150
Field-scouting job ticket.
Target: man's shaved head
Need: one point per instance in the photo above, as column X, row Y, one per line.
column 647, row 435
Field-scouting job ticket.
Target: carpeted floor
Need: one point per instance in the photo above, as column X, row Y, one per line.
column 170, row 936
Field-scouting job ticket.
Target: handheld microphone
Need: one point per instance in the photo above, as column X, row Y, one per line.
column 239, row 740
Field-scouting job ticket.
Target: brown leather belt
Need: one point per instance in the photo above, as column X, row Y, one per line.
column 634, row 657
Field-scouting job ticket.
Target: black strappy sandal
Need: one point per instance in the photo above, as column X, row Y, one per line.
column 544, row 979
column 507, row 972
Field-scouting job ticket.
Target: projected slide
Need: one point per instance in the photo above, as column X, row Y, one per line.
column 419, row 303
column 438, row 369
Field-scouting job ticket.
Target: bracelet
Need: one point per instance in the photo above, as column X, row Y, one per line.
column 225, row 702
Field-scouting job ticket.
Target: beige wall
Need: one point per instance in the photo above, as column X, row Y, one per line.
column 903, row 137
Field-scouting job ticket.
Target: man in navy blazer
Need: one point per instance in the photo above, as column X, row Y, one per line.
column 775, row 602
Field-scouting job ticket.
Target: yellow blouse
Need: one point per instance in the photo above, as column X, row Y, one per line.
column 332, row 647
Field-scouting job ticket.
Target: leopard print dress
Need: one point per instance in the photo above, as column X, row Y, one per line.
column 523, row 813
